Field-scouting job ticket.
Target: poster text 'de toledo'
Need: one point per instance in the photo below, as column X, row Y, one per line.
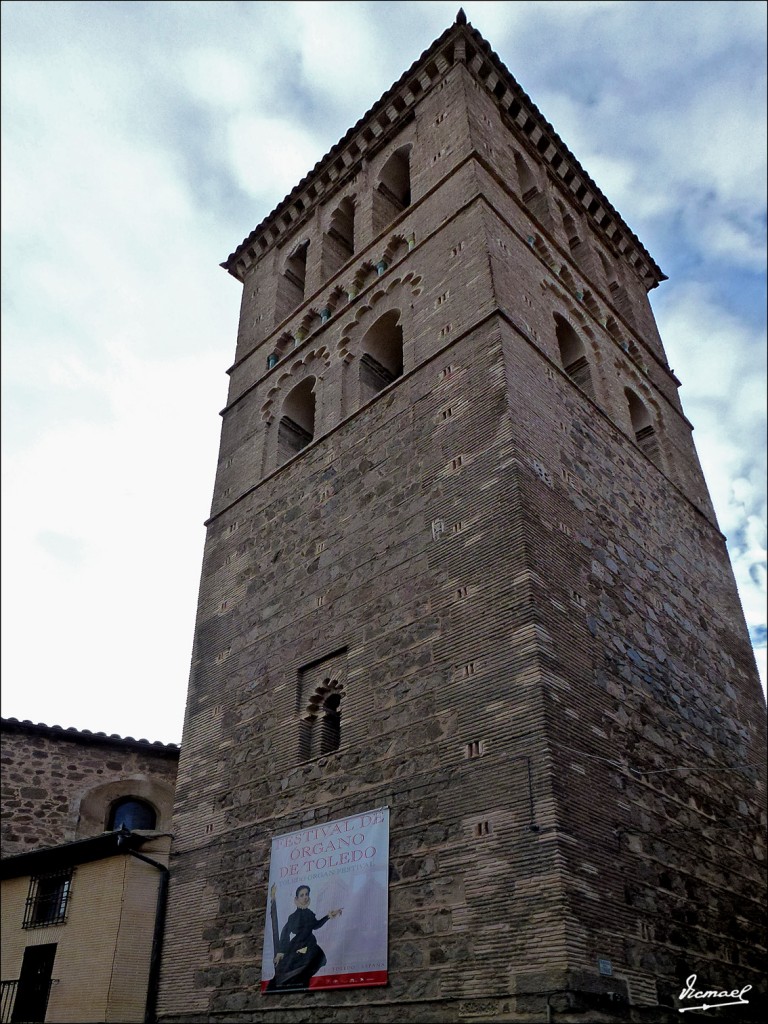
column 327, row 904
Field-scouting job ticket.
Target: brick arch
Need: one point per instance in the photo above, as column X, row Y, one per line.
column 292, row 279
column 570, row 226
column 320, row 723
column 527, row 184
column 392, row 188
column 338, row 239
column 613, row 329
column 345, row 347
column 542, row 250
column 365, row 273
column 396, row 249
column 566, row 307
column 284, row 344
column 309, row 322
column 644, row 419
column 591, row 304
column 309, row 363
column 95, row 804
column 298, row 416
column 336, row 299
column 577, row 350
column 567, row 279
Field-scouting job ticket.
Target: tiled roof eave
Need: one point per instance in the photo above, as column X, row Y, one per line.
column 86, row 736
column 238, row 261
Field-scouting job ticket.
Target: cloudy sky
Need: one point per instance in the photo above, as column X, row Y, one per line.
column 142, row 141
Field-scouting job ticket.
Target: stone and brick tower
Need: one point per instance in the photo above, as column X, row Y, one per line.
column 462, row 563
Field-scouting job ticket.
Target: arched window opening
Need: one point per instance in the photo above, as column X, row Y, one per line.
column 297, row 423
column 290, row 290
column 573, row 355
column 642, row 426
column 591, row 304
column 567, row 278
column 131, row 813
column 284, row 345
column 610, row 271
column 339, row 240
column 393, row 192
column 613, row 329
column 526, row 180
column 381, row 361
column 571, row 232
column 320, row 727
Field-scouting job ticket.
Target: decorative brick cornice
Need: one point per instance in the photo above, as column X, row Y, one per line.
column 58, row 732
column 459, row 44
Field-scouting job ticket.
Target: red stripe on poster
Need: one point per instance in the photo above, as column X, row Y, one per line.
column 363, row 979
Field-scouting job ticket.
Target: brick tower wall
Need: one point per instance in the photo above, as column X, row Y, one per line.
column 503, row 581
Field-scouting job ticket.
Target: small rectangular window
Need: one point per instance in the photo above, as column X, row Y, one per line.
column 474, row 749
column 47, row 899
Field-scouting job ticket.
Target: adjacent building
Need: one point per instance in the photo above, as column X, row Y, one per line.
column 84, row 873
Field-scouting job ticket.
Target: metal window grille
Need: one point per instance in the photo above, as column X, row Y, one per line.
column 15, row 1009
column 7, row 999
column 48, row 899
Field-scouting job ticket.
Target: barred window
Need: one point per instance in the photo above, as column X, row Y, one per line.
column 48, row 899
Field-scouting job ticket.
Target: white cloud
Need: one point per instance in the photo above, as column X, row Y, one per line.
column 120, row 121
column 721, row 361
column 270, row 156
column 128, row 500
column 216, row 77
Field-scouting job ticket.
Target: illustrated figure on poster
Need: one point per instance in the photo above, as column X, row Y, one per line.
column 298, row 957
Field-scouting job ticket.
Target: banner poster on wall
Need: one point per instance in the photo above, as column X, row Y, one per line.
column 327, row 906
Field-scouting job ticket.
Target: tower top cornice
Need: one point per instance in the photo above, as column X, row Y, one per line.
column 461, row 43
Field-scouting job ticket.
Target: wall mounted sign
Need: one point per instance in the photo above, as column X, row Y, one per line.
column 327, row 906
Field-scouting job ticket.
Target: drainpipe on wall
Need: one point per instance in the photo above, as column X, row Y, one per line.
column 159, row 929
